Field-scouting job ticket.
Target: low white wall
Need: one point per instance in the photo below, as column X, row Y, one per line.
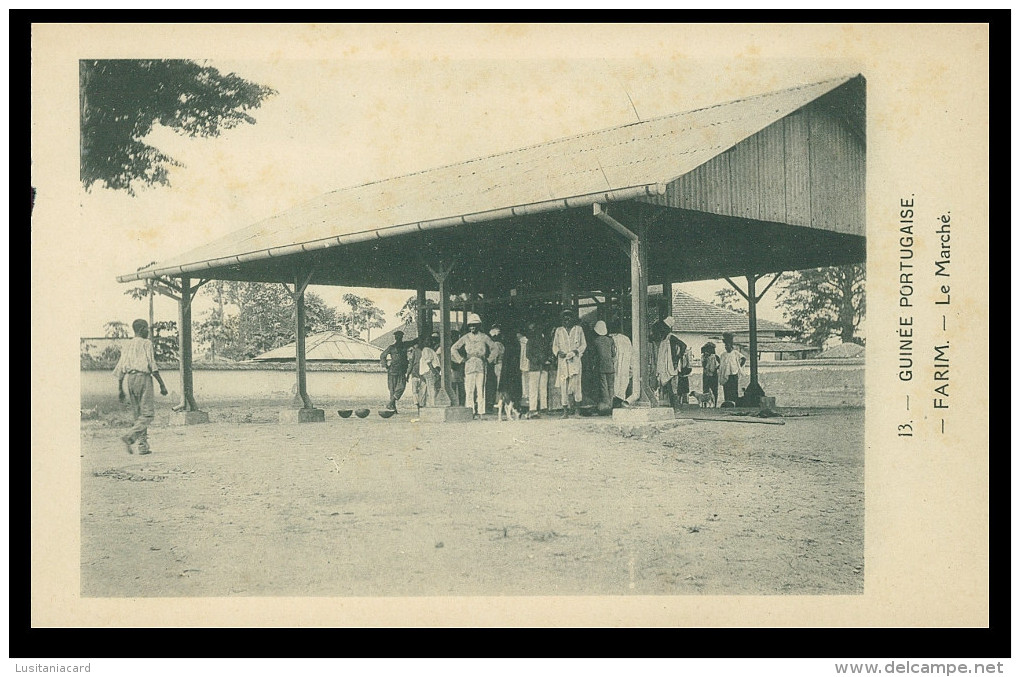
column 99, row 388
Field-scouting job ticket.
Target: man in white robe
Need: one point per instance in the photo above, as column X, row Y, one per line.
column 568, row 346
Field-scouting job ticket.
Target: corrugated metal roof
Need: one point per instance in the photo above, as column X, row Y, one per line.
column 641, row 156
column 327, row 345
column 701, row 317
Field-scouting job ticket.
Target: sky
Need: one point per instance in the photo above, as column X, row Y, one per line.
column 342, row 122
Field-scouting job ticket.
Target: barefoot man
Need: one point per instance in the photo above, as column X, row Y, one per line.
column 137, row 365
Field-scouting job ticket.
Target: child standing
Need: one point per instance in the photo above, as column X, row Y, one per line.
column 710, row 371
column 429, row 368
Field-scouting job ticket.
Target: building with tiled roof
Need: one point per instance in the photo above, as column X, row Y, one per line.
column 699, row 322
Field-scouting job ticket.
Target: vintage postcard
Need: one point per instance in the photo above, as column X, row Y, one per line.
column 496, row 325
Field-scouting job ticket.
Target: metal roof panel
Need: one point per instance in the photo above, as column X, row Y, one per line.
column 637, row 154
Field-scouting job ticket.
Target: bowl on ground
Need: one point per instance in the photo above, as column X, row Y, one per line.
column 361, row 413
column 344, row 413
column 386, row 413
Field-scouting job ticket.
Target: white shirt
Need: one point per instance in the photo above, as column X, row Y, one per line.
column 429, row 359
column 137, row 355
column 729, row 365
column 525, row 364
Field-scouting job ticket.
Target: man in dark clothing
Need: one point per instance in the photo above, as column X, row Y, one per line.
column 457, row 373
column 394, row 360
column 605, row 353
column 534, row 365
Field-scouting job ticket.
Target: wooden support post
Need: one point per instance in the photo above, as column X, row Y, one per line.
column 638, row 301
column 666, row 305
column 184, row 348
column 301, row 398
column 639, row 314
column 445, row 397
column 752, row 323
column 152, row 295
column 303, row 411
column 422, row 315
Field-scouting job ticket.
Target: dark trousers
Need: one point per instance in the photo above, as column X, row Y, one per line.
column 710, row 384
column 396, row 383
column 606, row 386
column 730, row 388
column 683, row 388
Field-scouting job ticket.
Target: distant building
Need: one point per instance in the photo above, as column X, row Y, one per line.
column 698, row 322
column 327, row 346
column 384, row 341
column 842, row 351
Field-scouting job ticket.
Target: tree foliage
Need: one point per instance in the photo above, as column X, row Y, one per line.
column 728, row 298
column 408, row 313
column 251, row 318
column 117, row 329
column 121, row 100
column 825, row 302
column 364, row 316
column 165, row 341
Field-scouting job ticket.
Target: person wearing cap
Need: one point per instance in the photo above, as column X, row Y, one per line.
column 478, row 349
column 429, row 369
column 731, row 368
column 605, row 354
column 396, row 363
column 568, row 346
column 535, row 361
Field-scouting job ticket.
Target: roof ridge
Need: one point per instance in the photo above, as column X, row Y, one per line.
column 732, row 313
column 776, row 92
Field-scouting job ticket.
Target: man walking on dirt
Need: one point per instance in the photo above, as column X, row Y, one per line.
column 394, row 360
column 137, row 365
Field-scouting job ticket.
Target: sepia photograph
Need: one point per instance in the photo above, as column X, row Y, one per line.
column 360, row 320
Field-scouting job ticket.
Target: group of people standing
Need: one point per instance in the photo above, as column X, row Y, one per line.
column 485, row 368
column 673, row 367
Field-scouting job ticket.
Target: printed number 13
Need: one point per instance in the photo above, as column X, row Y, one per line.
column 905, row 430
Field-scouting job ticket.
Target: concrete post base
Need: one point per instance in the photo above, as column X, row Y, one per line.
column 446, row 414
column 188, row 417
column 642, row 414
column 302, row 416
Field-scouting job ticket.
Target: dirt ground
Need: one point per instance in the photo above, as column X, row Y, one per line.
column 244, row 506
